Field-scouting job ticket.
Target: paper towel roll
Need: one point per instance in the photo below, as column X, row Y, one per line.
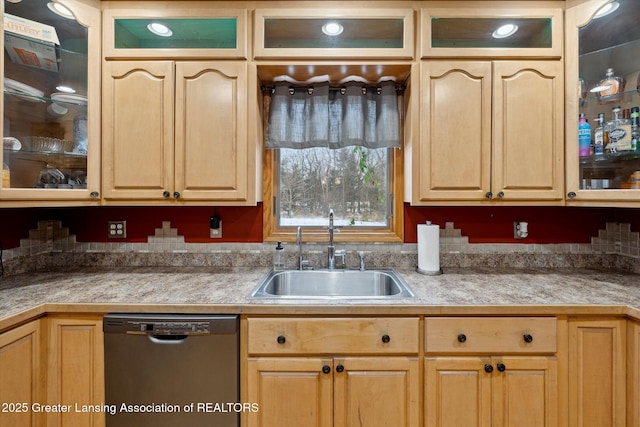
column 429, row 248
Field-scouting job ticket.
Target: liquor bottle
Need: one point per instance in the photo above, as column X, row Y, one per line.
column 635, row 129
column 598, row 135
column 584, row 136
column 619, row 132
column 610, row 89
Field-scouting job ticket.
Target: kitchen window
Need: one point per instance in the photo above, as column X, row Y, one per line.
column 333, row 148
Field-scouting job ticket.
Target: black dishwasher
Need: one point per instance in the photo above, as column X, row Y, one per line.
column 171, row 370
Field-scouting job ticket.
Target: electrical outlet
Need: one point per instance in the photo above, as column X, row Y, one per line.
column 117, row 229
column 216, row 233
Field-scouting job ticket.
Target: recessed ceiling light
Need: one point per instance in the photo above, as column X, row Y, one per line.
column 65, row 89
column 332, row 29
column 60, row 10
column 607, row 9
column 504, row 31
column 160, row 29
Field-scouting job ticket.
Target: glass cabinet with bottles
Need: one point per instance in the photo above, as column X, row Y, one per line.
column 51, row 135
column 603, row 99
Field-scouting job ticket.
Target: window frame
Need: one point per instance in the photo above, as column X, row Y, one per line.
column 271, row 232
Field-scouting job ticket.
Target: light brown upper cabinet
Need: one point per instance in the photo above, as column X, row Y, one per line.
column 597, row 41
column 490, row 132
column 176, row 131
column 334, row 33
column 467, row 30
column 164, row 30
column 51, row 104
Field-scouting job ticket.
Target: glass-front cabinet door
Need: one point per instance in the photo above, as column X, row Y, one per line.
column 603, row 98
column 51, row 117
column 174, row 30
column 477, row 31
column 334, row 33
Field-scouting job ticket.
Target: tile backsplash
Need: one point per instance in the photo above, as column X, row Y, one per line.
column 50, row 245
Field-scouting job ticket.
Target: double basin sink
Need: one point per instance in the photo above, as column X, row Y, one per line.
column 332, row 284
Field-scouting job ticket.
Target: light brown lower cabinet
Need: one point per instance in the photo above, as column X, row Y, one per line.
column 338, row 392
column 491, row 372
column 21, row 385
column 597, row 372
column 333, row 372
column 633, row 374
column 491, row 391
column 75, row 370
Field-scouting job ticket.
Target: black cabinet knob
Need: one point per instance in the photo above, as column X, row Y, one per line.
column 94, row 195
column 489, row 195
column 166, row 194
column 386, row 338
column 326, row 369
column 571, row 195
column 501, row 194
column 339, row 368
column 176, row 195
column 462, row 338
column 501, row 367
column 488, row 368
column 281, row 339
column 527, row 338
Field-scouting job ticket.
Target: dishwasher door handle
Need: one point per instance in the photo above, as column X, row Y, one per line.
column 167, row 339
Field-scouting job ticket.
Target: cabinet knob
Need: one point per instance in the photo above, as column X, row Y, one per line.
column 281, row 339
column 462, row 338
column 571, row 194
column 339, row 368
column 501, row 194
column 176, row 194
column 501, row 367
column 94, row 194
column 527, row 338
column 488, row 368
column 489, row 195
column 386, row 338
column 326, row 369
column 166, row 194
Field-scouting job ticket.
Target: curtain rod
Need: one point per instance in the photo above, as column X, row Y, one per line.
column 271, row 89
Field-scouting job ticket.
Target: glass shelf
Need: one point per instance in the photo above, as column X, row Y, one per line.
column 610, row 157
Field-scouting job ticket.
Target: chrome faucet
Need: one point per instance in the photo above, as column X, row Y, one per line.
column 332, row 253
column 302, row 263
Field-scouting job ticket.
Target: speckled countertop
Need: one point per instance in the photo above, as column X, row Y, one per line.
column 226, row 290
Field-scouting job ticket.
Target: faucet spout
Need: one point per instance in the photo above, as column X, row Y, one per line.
column 331, row 249
column 302, row 263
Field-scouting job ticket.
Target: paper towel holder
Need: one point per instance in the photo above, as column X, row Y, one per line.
column 429, row 272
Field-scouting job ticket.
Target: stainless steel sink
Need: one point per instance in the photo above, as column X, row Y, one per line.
column 336, row 284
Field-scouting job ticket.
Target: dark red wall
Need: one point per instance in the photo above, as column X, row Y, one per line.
column 495, row 224
column 244, row 224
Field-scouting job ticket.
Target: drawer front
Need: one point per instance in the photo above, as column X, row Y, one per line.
column 333, row 335
column 490, row 335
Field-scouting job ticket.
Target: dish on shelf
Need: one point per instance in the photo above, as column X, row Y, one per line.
column 23, row 91
column 49, row 145
column 69, row 98
column 11, row 143
column 57, row 110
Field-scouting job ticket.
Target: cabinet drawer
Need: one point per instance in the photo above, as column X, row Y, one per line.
column 490, row 335
column 333, row 335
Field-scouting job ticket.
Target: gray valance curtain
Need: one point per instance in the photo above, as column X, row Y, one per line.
column 320, row 117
